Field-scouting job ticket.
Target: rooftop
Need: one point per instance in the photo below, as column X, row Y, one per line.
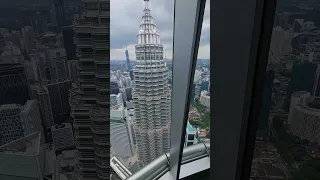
column 28, row 145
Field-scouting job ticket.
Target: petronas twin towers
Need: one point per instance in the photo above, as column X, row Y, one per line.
column 151, row 93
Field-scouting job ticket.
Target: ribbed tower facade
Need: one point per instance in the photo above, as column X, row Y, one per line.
column 151, row 93
column 89, row 99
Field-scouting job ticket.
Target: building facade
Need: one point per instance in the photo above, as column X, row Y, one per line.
column 62, row 136
column 89, row 100
column 151, row 93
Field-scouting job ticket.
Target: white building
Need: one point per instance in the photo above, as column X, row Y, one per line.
column 119, row 132
column 116, row 99
column 62, row 136
column 151, row 93
column 205, row 98
column 191, row 135
column 305, row 118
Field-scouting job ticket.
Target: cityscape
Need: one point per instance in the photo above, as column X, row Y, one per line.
column 65, row 115
column 85, row 95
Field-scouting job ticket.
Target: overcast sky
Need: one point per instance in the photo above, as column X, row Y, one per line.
column 125, row 17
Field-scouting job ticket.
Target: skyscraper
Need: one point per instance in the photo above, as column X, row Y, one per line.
column 89, row 99
column 151, row 94
column 14, row 85
column 69, row 45
column 59, row 13
column 28, row 39
column 128, row 60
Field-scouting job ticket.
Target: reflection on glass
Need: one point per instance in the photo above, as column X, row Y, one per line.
column 288, row 136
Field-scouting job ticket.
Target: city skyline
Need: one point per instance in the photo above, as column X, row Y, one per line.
column 126, row 20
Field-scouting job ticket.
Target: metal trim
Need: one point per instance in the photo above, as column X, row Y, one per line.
column 188, row 17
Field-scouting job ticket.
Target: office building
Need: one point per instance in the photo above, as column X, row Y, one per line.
column 59, row 96
column 297, row 25
column 69, row 45
column 90, row 100
column 60, row 41
column 119, row 132
column 11, row 54
column 73, row 70
column 277, row 40
column 205, row 98
column 152, row 102
column 62, row 136
column 39, row 23
column 41, row 93
column 305, row 118
column 16, row 39
column 18, row 121
column 191, row 135
column 57, row 63
column 24, row 158
column 28, row 40
column 116, row 99
column 114, row 88
column 59, row 13
column 14, row 86
column 128, row 65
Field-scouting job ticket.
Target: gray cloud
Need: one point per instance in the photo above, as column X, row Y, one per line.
column 126, row 18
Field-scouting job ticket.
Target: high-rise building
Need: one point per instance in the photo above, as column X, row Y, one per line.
column 116, row 99
column 297, row 25
column 58, row 63
column 28, row 39
column 18, row 121
column 90, row 99
column 41, row 93
column 59, row 96
column 305, row 118
column 276, row 46
column 128, row 60
column 73, row 70
column 62, row 136
column 114, row 88
column 191, row 135
column 205, row 98
column 151, row 94
column 16, row 38
column 59, row 13
column 39, row 23
column 69, row 45
column 14, row 86
column 11, row 54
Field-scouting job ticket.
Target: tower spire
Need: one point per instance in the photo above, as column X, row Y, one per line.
column 146, row 3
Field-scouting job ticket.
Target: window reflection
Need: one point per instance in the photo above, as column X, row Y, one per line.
column 288, row 136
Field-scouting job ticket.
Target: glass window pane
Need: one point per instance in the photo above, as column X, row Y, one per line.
column 198, row 125
column 287, row 140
